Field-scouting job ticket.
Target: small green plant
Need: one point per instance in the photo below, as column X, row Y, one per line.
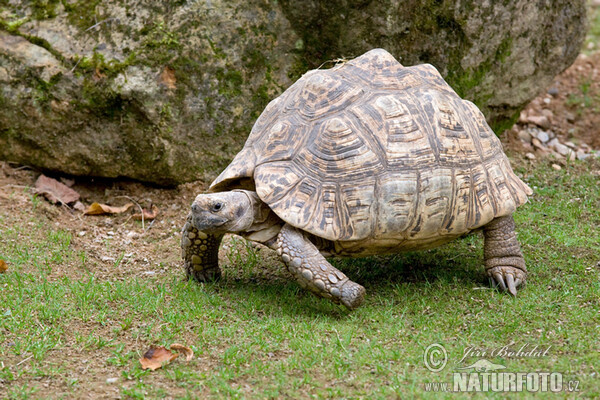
column 585, row 99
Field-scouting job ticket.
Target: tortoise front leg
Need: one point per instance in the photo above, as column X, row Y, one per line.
column 313, row 272
column 200, row 253
column 502, row 254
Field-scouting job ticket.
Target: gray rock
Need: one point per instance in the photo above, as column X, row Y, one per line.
column 561, row 148
column 525, row 136
column 582, row 155
column 169, row 94
column 543, row 136
column 553, row 91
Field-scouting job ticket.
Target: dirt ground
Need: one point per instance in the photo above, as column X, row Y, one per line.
column 571, row 104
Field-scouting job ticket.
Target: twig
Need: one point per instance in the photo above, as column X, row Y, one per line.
column 24, row 360
column 150, row 225
column 336, row 61
column 73, row 69
column 126, row 221
column 140, row 207
column 99, row 23
column 17, row 186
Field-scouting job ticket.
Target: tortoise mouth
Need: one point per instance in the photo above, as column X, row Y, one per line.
column 208, row 222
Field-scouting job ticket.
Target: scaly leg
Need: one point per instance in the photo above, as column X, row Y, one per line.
column 200, row 253
column 313, row 272
column 502, row 254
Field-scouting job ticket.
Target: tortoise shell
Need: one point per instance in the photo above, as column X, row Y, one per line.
column 371, row 149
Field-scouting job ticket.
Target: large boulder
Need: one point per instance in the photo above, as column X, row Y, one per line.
column 167, row 92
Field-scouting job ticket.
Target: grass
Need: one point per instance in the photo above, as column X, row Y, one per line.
column 63, row 335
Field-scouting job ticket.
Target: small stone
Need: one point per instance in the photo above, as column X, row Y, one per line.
column 82, row 233
column 112, row 380
column 536, row 143
column 306, row 274
column 296, row 262
column 191, row 235
column 525, row 136
column 286, row 258
column 523, row 117
column 320, row 284
column 582, row 155
column 108, row 259
column 556, row 167
column 543, row 136
column 332, row 278
column 202, row 235
column 547, row 113
column 561, row 149
column 79, row 206
column 530, row 156
column 541, row 121
column 196, row 260
column 547, row 100
column 110, row 233
column 553, row 91
column 570, row 117
column 133, row 235
column 571, row 145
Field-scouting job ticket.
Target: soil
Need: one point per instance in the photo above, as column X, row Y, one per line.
column 571, row 103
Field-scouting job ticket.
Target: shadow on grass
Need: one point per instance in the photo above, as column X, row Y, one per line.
column 386, row 278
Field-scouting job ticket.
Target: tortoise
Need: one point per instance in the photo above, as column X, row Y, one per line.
column 369, row 157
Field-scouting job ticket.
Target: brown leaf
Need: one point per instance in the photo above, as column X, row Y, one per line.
column 148, row 215
column 55, row 191
column 189, row 353
column 100, row 209
column 156, row 357
column 167, row 77
column 4, row 267
column 99, row 74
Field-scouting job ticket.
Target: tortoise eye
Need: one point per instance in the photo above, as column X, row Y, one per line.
column 217, row 207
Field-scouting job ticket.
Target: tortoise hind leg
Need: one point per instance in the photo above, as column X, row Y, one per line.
column 313, row 272
column 200, row 252
column 504, row 261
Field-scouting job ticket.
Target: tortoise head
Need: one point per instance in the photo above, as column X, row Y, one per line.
column 223, row 212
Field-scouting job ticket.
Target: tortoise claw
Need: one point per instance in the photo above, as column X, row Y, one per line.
column 507, row 278
column 510, row 282
column 499, row 280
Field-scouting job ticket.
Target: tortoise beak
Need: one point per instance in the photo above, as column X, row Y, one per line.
column 205, row 220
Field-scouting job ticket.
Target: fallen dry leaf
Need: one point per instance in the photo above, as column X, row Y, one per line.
column 156, row 357
column 167, row 77
column 186, row 351
column 100, row 209
column 4, row 267
column 55, row 191
column 148, row 215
